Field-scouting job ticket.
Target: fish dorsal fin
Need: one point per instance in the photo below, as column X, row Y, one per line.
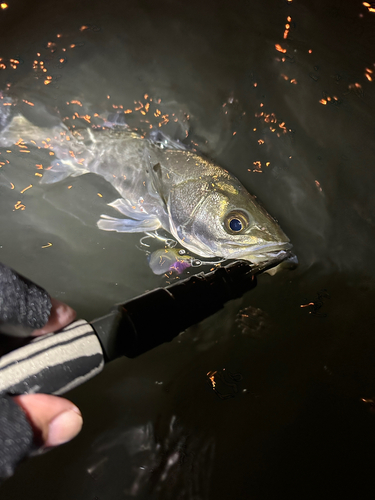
column 157, row 179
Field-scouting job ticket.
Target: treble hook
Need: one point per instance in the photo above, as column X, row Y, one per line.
column 148, row 235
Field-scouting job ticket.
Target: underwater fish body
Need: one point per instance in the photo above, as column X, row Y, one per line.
column 161, row 185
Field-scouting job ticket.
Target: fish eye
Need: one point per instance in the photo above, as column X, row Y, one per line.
column 236, row 221
column 235, row 225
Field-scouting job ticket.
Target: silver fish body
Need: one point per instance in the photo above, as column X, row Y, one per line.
column 205, row 208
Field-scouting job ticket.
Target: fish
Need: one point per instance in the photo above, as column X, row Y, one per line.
column 162, row 186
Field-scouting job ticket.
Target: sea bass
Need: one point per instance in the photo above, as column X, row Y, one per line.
column 161, row 185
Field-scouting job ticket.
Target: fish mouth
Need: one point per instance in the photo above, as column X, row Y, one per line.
column 272, row 255
column 265, row 250
column 271, row 248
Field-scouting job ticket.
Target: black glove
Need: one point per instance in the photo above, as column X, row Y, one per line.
column 16, row 436
column 24, row 307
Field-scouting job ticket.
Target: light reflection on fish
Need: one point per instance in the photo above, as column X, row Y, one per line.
column 161, row 186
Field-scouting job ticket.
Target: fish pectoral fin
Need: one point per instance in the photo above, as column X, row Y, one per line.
column 124, row 207
column 107, row 223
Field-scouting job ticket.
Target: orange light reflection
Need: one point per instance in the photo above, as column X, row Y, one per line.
column 279, row 48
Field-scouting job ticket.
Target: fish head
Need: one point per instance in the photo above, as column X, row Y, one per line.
column 220, row 218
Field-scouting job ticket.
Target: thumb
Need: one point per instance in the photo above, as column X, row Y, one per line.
column 54, row 420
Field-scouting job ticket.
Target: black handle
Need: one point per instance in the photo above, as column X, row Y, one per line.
column 56, row 363
column 160, row 315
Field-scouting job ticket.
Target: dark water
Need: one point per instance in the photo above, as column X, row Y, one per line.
column 287, row 418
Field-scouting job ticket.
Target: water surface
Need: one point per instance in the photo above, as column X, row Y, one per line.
column 281, row 94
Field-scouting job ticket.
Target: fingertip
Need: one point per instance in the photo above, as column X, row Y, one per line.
column 54, row 420
column 64, row 427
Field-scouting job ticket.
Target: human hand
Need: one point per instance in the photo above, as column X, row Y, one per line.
column 54, row 420
column 32, row 421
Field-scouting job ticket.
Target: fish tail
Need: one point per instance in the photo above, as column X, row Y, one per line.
column 18, row 129
column 59, row 170
column 5, row 111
